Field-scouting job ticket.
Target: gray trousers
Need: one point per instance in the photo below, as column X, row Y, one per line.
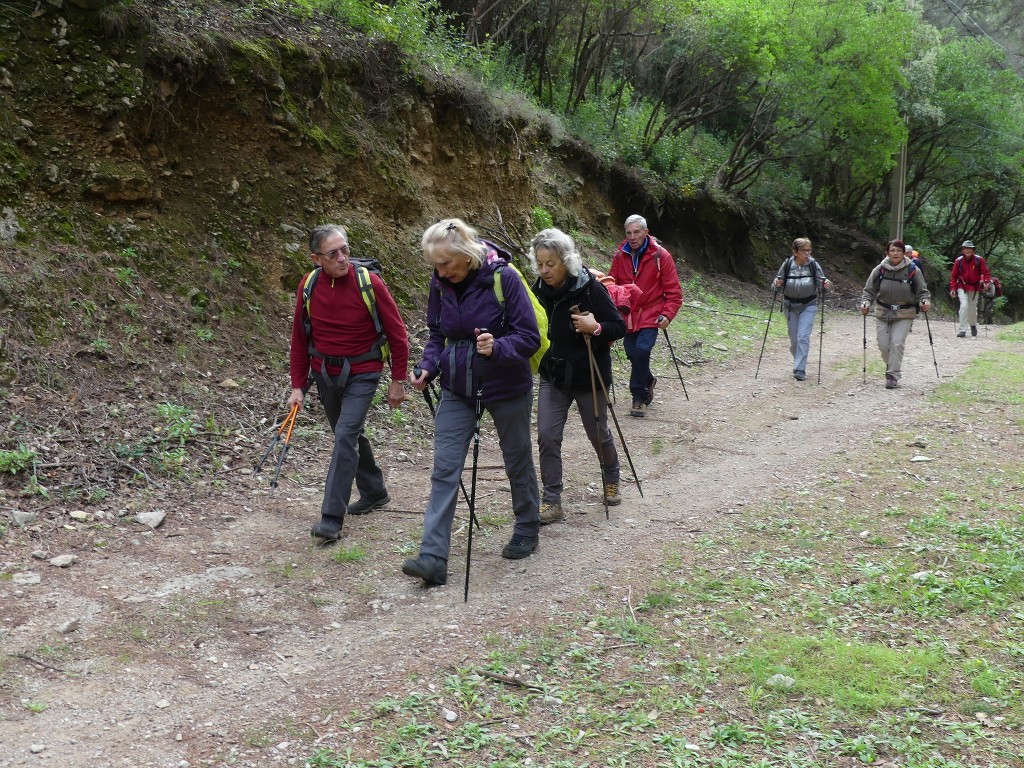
column 552, row 413
column 892, row 338
column 453, row 432
column 968, row 308
column 352, row 458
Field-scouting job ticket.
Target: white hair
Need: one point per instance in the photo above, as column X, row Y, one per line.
column 558, row 243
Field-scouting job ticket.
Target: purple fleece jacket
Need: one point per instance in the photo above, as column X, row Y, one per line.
column 452, row 317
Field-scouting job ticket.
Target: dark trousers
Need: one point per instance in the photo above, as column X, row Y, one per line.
column 638, row 348
column 352, row 458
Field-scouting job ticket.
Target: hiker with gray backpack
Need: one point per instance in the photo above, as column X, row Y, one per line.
column 801, row 279
column 346, row 326
column 897, row 289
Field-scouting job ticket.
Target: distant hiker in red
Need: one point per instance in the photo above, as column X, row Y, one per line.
column 642, row 260
column 898, row 291
column 969, row 277
column 345, row 322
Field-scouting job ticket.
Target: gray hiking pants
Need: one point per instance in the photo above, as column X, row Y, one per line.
column 453, row 432
column 552, row 413
column 892, row 338
column 352, row 458
column 968, row 308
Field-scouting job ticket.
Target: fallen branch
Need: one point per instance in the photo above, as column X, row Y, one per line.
column 509, row 680
column 720, row 311
column 36, row 662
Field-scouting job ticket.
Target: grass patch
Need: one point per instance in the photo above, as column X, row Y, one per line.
column 833, row 626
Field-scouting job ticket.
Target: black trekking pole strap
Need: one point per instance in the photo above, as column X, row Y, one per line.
column 775, row 292
column 931, row 343
column 675, row 360
column 597, row 420
column 618, row 429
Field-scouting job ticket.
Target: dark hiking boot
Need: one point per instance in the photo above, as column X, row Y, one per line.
column 650, row 390
column 365, row 506
column 799, row 375
column 551, row 513
column 611, row 492
column 520, row 547
column 327, row 530
column 891, row 382
column 639, row 409
column 433, row 570
column 961, row 334
column 974, row 330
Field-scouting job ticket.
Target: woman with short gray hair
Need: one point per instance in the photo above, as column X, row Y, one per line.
column 582, row 324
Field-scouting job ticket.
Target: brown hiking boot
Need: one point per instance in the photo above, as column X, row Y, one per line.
column 551, row 513
column 639, row 409
column 611, row 492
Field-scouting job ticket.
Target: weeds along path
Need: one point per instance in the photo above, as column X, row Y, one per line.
column 224, row 637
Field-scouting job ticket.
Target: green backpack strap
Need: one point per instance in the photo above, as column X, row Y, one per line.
column 380, row 349
column 370, row 300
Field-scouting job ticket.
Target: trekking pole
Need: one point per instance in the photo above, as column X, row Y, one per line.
column 821, row 335
column 618, row 429
column 775, row 292
column 284, row 434
column 417, row 372
column 865, row 369
column 676, row 361
column 928, row 325
column 478, row 415
column 575, row 310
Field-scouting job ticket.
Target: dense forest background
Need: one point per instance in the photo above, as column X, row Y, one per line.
column 773, row 106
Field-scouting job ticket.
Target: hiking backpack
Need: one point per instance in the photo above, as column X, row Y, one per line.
column 380, row 350
column 994, row 290
column 908, row 279
column 811, row 262
column 538, row 310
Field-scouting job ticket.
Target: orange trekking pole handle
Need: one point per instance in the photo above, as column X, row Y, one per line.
column 290, row 423
column 287, row 424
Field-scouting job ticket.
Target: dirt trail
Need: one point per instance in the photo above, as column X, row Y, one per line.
column 224, row 635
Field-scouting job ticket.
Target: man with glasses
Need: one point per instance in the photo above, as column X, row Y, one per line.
column 346, row 323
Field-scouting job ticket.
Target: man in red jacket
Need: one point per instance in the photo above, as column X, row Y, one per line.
column 969, row 277
column 642, row 261
column 338, row 341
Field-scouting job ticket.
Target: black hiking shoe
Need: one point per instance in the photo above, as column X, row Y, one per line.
column 974, row 330
column 961, row 334
column 891, row 382
column 366, row 506
column 650, row 391
column 520, row 547
column 327, row 530
column 799, row 375
column 433, row 570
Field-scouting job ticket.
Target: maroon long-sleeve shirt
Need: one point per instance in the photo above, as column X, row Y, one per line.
column 342, row 327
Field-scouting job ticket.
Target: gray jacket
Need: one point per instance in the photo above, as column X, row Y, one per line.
column 897, row 291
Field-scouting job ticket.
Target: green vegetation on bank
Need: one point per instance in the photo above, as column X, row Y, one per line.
column 869, row 616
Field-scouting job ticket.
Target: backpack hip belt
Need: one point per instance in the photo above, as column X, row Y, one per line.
column 895, row 307
column 801, row 301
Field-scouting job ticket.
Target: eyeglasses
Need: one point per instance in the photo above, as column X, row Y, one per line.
column 336, row 253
